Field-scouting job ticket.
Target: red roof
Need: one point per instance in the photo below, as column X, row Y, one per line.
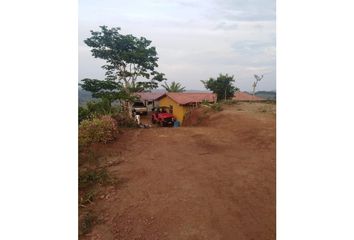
column 243, row 96
column 189, row 98
column 149, row 96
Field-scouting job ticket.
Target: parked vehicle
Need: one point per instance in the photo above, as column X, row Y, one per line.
column 162, row 117
column 139, row 108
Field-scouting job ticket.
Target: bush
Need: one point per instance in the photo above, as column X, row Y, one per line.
column 216, row 107
column 84, row 113
column 123, row 120
column 94, row 109
column 102, row 107
column 97, row 130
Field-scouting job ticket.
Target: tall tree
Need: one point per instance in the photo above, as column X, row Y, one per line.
column 222, row 86
column 254, row 85
column 130, row 61
column 173, row 87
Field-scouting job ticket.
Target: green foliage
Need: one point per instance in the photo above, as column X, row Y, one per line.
column 100, row 108
column 97, row 130
column 84, row 113
column 104, row 89
column 173, row 87
column 96, row 109
column 127, row 57
column 222, row 86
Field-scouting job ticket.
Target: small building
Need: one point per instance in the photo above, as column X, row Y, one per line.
column 244, row 96
column 150, row 99
column 181, row 103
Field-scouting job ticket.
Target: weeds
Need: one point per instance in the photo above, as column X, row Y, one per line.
column 86, row 223
column 216, row 107
column 88, row 197
column 93, row 177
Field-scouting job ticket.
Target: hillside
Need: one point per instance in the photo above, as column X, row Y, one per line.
column 84, row 97
column 270, row 95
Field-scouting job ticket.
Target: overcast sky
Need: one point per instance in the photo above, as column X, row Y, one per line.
column 194, row 39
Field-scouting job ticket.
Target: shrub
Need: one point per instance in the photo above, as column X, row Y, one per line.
column 96, row 109
column 84, row 113
column 216, row 107
column 97, row 130
column 123, row 120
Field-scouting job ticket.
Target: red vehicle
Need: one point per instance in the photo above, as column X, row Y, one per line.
column 162, row 116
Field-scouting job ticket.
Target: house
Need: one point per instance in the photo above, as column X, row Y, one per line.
column 244, row 96
column 150, row 99
column 181, row 103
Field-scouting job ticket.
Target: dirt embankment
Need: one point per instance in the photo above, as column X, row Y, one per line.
column 215, row 180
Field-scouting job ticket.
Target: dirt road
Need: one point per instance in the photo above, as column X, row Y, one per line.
column 214, row 181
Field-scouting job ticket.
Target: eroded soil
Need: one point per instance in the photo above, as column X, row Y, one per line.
column 213, row 181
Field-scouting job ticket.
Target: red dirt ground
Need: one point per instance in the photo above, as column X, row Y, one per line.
column 212, row 181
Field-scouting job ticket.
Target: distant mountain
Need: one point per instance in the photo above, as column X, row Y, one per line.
column 84, row 97
column 270, row 95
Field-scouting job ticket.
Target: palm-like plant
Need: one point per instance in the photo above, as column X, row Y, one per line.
column 173, row 87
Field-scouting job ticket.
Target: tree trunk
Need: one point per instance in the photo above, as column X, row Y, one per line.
column 130, row 109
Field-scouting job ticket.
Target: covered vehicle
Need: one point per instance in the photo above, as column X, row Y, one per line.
column 139, row 108
column 163, row 117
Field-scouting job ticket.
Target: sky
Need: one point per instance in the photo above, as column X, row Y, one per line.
column 194, row 39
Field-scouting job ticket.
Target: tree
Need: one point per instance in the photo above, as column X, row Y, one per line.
column 130, row 61
column 222, row 86
column 106, row 90
column 254, row 85
column 173, row 87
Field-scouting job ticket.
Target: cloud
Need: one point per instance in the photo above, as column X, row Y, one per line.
column 194, row 39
